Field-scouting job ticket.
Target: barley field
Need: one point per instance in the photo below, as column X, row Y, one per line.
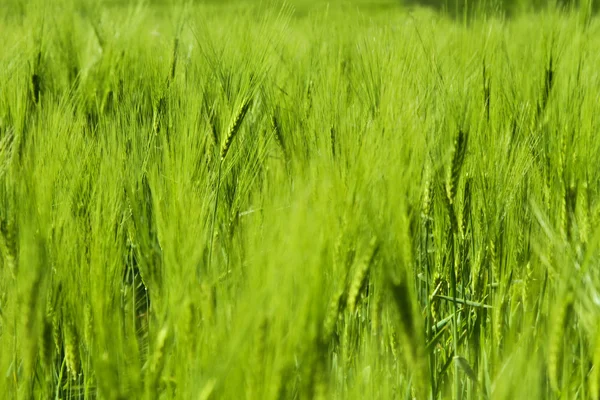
column 257, row 200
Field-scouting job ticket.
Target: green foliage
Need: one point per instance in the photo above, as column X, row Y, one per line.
column 244, row 201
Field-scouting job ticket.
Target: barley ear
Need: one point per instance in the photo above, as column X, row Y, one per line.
column 557, row 334
column 260, row 356
column 234, row 127
column 458, row 157
column 46, row 346
column 157, row 362
column 8, row 247
column 174, row 60
column 332, row 314
column 275, row 126
column 595, row 373
column 427, row 194
column 376, row 311
column 207, row 389
column 360, row 274
column 320, row 389
column 466, row 209
column 332, row 138
column 88, row 327
column 409, row 331
column 71, row 348
column 583, row 213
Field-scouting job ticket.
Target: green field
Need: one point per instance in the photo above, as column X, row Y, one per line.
column 307, row 201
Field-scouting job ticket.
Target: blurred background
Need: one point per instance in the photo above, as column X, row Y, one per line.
column 452, row 7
